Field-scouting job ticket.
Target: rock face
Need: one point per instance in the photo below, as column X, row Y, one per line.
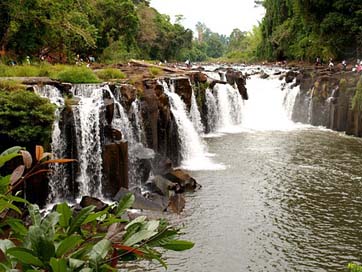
column 156, row 152
column 325, row 99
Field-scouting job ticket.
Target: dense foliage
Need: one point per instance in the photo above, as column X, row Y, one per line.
column 25, row 118
column 304, row 30
column 69, row 240
column 110, row 30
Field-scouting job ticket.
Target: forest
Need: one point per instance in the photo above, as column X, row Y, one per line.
column 115, row 31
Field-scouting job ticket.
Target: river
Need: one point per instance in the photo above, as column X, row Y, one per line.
column 288, row 199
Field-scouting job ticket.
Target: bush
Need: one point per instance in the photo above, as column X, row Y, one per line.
column 110, row 73
column 19, row 71
column 77, row 75
column 25, row 118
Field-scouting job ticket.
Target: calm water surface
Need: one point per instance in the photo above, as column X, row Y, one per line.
column 288, row 201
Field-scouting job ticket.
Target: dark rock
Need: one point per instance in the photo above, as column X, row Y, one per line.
column 184, row 89
column 115, row 167
column 289, row 76
column 164, row 185
column 186, row 182
column 237, row 77
column 264, row 75
column 92, row 201
column 177, row 203
column 109, row 104
column 140, row 201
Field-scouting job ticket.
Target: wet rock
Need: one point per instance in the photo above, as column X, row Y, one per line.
column 92, row 201
column 199, row 77
column 177, row 203
column 109, row 104
column 186, row 182
column 236, row 77
column 289, row 76
column 115, row 167
column 165, row 186
column 183, row 89
column 140, row 201
column 264, row 75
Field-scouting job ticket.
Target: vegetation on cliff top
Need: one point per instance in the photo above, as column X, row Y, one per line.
column 304, row 30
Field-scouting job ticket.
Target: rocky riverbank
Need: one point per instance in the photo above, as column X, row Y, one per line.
column 128, row 162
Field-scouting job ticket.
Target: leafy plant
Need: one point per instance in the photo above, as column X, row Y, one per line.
column 154, row 71
column 354, row 267
column 66, row 240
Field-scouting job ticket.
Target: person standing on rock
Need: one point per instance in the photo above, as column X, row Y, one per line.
column 344, row 65
column 330, row 65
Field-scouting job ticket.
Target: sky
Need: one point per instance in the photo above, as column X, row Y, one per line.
column 220, row 16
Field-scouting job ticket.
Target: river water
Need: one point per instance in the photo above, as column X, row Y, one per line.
column 288, row 199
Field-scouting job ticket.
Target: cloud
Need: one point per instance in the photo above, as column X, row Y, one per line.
column 219, row 16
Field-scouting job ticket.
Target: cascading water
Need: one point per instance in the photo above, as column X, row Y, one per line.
column 229, row 105
column 265, row 110
column 87, row 120
column 195, row 114
column 57, row 184
column 193, row 149
column 212, row 111
column 138, row 121
column 289, row 99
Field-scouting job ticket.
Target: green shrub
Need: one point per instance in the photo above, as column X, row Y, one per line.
column 110, row 73
column 77, row 75
column 19, row 71
column 25, row 118
column 154, row 71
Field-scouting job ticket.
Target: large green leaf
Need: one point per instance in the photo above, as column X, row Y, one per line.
column 94, row 216
column 99, row 251
column 139, row 236
column 79, row 220
column 5, row 245
column 8, row 154
column 65, row 214
column 42, row 245
column 178, row 245
column 68, row 244
column 17, row 226
column 11, row 150
column 125, row 203
column 58, row 265
column 48, row 224
column 4, row 184
column 34, row 214
column 25, row 256
column 75, row 263
column 163, row 238
column 5, row 204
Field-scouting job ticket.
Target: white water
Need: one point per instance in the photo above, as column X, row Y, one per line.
column 212, row 111
column 193, row 149
column 57, row 181
column 195, row 114
column 87, row 124
column 267, row 104
column 138, row 121
column 229, row 105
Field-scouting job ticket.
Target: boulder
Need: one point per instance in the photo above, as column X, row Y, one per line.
column 92, row 201
column 141, row 202
column 186, row 182
column 177, row 203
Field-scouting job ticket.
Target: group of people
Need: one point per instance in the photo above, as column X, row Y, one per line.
column 357, row 68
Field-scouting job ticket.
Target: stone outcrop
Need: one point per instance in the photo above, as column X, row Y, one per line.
column 325, row 99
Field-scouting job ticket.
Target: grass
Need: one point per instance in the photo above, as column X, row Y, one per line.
column 66, row 73
column 77, row 75
column 110, row 73
column 11, row 85
column 154, row 71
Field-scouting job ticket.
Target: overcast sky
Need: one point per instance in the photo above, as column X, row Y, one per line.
column 220, row 16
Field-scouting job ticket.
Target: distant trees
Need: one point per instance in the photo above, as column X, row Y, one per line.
column 303, row 30
column 112, row 30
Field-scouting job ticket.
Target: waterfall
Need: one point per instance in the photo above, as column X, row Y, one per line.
column 193, row 149
column 265, row 110
column 138, row 121
column 195, row 114
column 229, row 105
column 57, row 183
column 212, row 111
column 87, row 124
column 289, row 100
